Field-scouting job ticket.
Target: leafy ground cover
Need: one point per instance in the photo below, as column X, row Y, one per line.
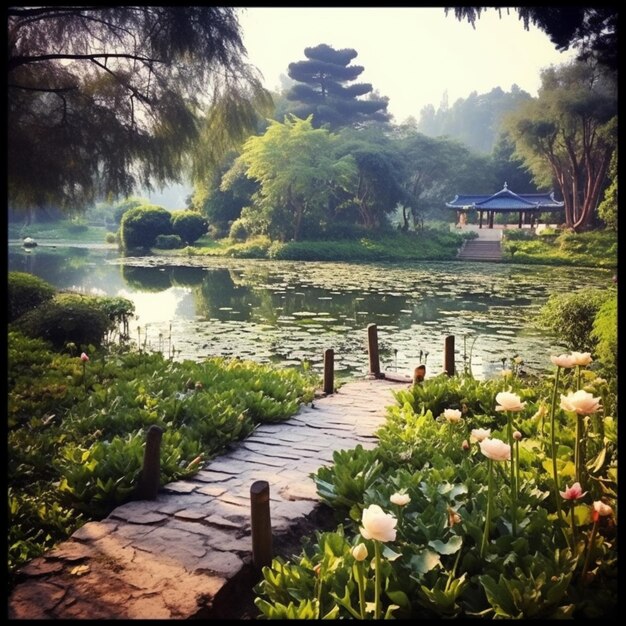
column 76, row 428
column 492, row 499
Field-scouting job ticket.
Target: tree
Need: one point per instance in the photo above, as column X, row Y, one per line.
column 509, row 168
column 591, row 30
column 142, row 225
column 322, row 89
column 105, row 99
column 188, row 225
column 476, row 120
column 435, row 170
column 378, row 188
column 297, row 170
column 568, row 133
column 607, row 210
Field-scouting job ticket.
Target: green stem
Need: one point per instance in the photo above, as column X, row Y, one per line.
column 555, row 475
column 512, row 473
column 577, row 455
column 578, row 378
column 360, row 583
column 583, row 575
column 319, row 596
column 85, row 375
column 516, row 468
column 453, row 571
column 483, row 545
column 377, row 580
column 574, row 539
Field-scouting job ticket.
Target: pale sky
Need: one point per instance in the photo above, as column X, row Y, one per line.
column 411, row 55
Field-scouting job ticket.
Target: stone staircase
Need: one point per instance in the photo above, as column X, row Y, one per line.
column 480, row 250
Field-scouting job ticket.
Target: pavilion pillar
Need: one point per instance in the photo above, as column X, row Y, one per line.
column 491, row 219
column 480, row 219
column 520, row 220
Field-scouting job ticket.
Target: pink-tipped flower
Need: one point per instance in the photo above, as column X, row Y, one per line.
column 517, row 435
column 581, row 402
column 478, row 434
column 508, row 401
column 84, row 358
column 581, row 358
column 465, row 445
column 495, row 449
column 563, row 360
column 601, row 510
column 452, row 415
column 573, row 493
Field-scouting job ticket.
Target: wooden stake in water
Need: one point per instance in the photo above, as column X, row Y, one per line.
column 372, row 345
column 448, row 355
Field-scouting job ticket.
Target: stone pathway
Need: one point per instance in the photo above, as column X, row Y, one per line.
column 168, row 558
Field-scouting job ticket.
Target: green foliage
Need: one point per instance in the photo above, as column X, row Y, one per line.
column 239, row 230
column 168, row 242
column 586, row 249
column 323, row 89
column 570, row 317
column 77, row 431
column 140, row 226
column 133, row 120
column 25, row 292
column 125, row 205
column 68, row 317
column 298, row 172
column 435, row 566
column 607, row 209
column 111, row 238
column 604, row 332
column 188, row 225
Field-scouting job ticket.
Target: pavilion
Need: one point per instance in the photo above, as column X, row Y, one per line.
column 527, row 205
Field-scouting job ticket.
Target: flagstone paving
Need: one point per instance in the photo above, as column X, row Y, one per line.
column 168, row 558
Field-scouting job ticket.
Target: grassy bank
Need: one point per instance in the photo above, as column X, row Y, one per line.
column 63, row 230
column 590, row 249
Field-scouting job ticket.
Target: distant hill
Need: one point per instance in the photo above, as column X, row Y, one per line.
column 474, row 120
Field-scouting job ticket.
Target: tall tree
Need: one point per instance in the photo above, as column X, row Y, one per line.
column 297, row 170
column 590, row 30
column 569, row 133
column 509, row 168
column 325, row 88
column 105, row 99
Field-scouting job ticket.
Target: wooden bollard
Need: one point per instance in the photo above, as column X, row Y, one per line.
column 261, row 523
column 151, row 471
column 448, row 355
column 419, row 373
column 329, row 371
column 372, row 347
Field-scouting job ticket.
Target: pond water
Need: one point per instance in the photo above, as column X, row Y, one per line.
column 289, row 312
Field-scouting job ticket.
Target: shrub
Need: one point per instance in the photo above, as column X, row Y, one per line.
column 571, row 317
column 604, row 331
column 111, row 238
column 168, row 242
column 26, row 292
column 142, row 225
column 189, row 225
column 68, row 317
column 239, row 230
column 126, row 205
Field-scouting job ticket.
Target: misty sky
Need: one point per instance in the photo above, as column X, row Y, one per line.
column 411, row 55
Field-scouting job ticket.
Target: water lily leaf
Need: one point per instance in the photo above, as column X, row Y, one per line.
column 425, row 561
column 389, row 554
column 450, row 547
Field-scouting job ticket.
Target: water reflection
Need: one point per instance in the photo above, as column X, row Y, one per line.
column 288, row 312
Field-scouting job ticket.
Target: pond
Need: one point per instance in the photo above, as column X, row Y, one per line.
column 289, row 312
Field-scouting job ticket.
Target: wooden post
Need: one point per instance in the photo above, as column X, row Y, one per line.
column 261, row 523
column 419, row 373
column 480, row 219
column 448, row 355
column 372, row 347
column 329, row 373
column 519, row 225
column 151, row 471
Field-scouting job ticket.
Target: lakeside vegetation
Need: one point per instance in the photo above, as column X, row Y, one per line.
column 80, row 404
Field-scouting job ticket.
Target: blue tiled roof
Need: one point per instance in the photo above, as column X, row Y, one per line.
column 506, row 200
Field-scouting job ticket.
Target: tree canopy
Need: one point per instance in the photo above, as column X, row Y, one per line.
column 325, row 89
column 297, row 170
column 102, row 100
column 568, row 134
column 590, row 30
